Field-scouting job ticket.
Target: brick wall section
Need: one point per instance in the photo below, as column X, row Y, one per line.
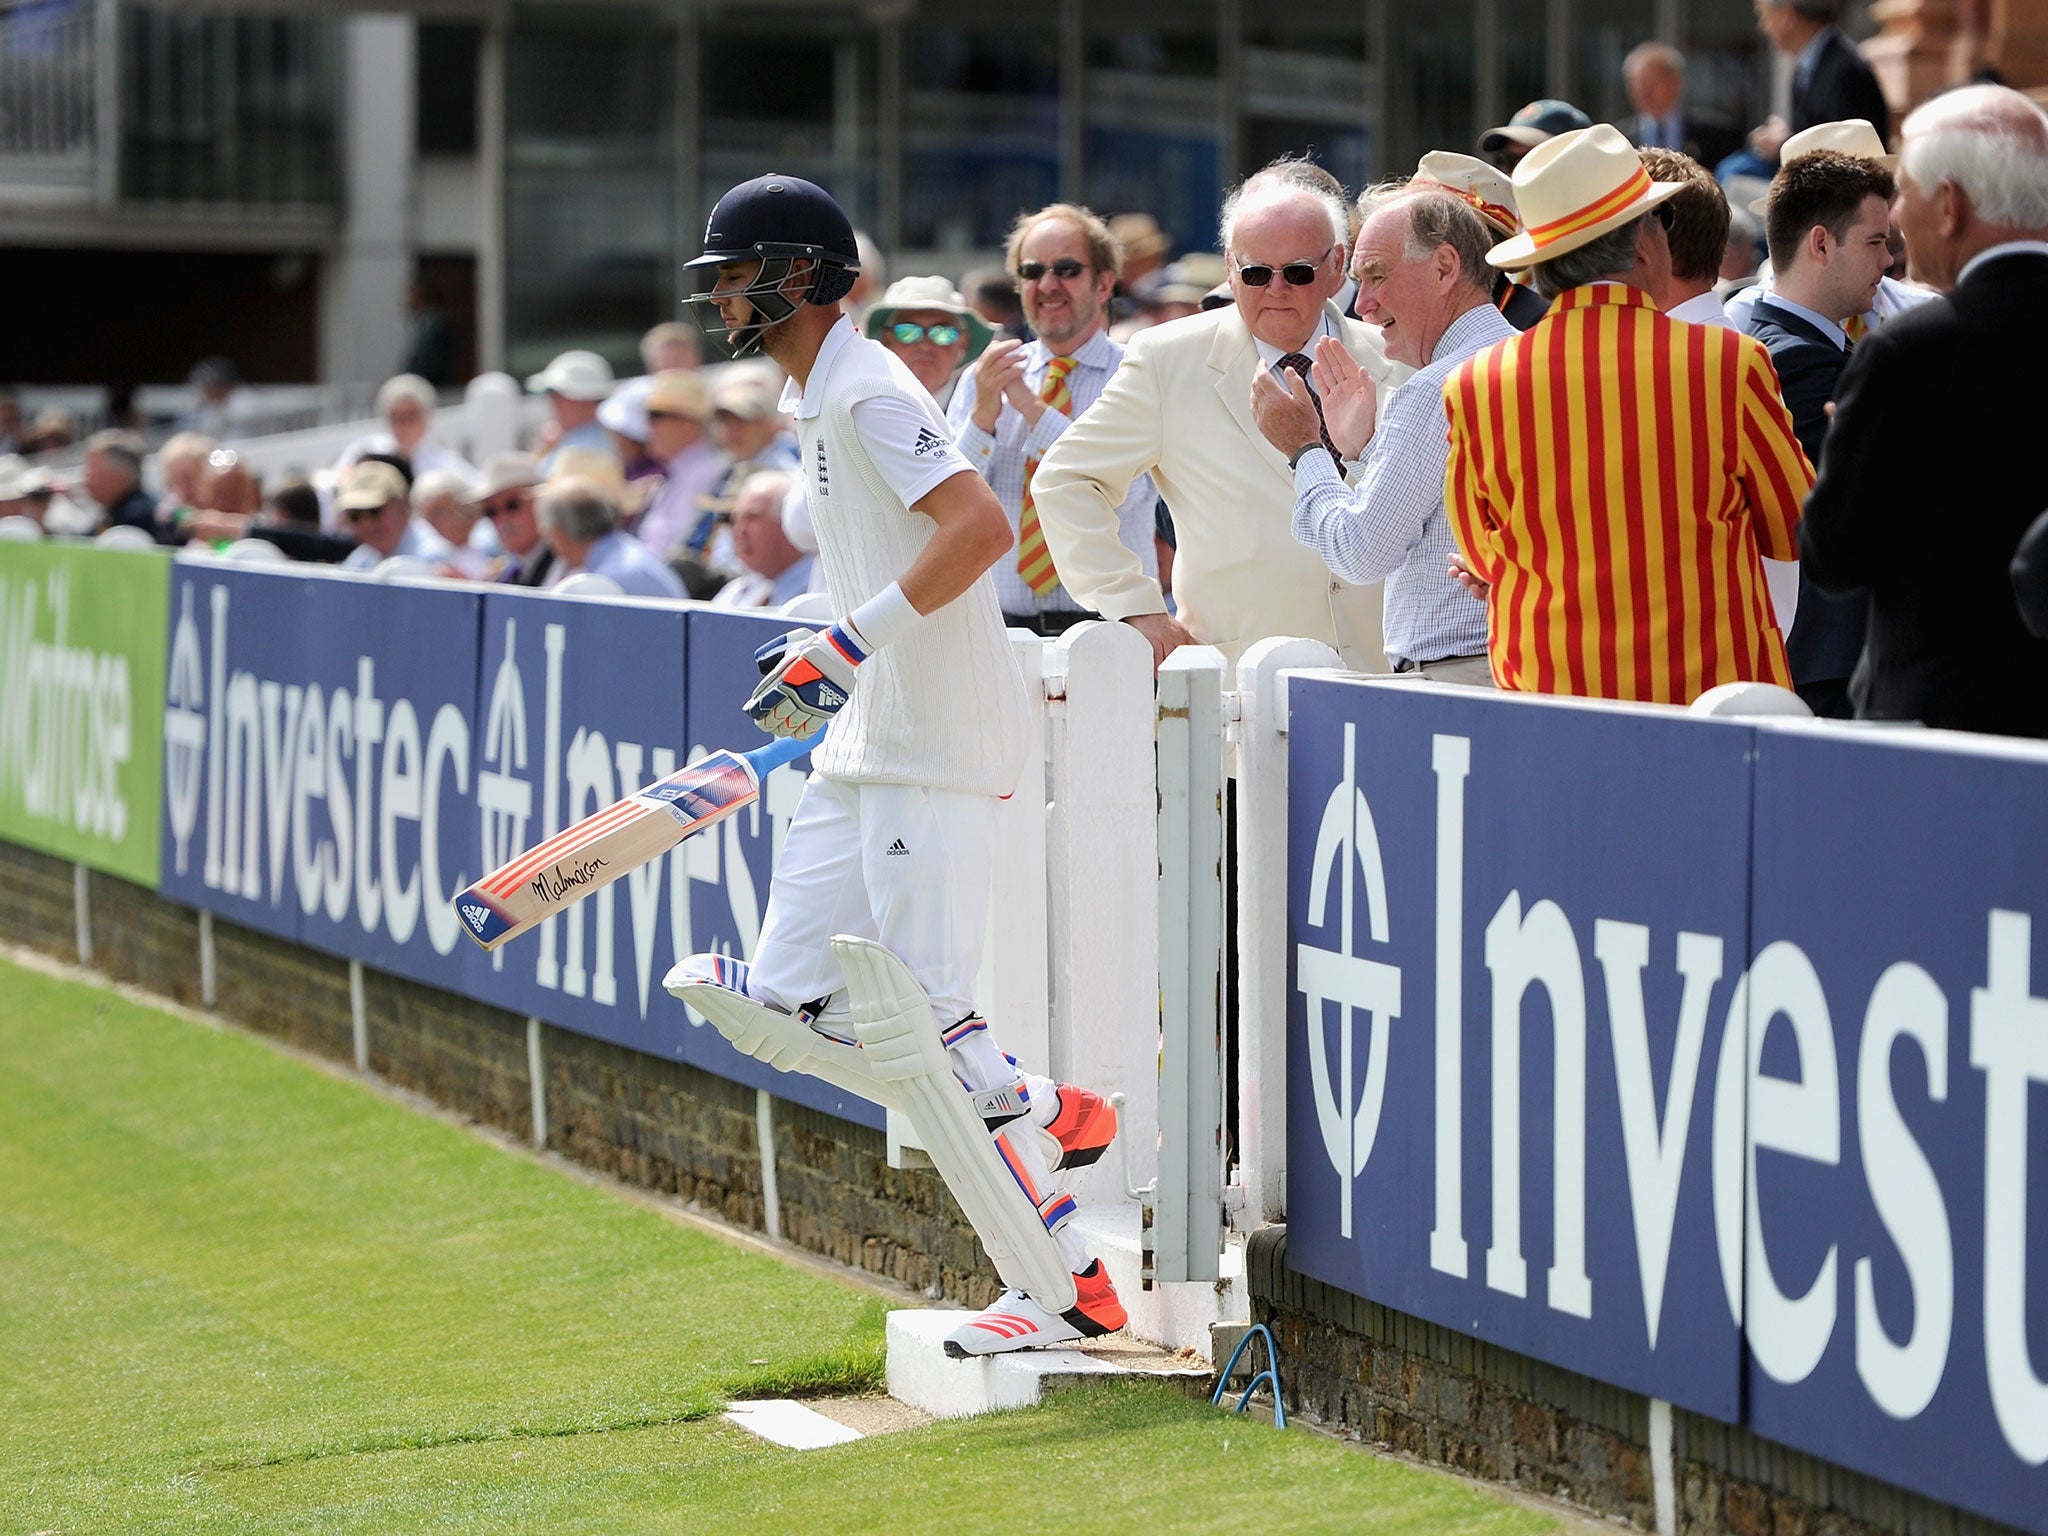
column 1446, row 1397
column 840, row 1196
column 652, row 1122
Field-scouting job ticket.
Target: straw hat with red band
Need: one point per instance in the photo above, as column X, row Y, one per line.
column 1851, row 136
column 1490, row 193
column 1575, row 188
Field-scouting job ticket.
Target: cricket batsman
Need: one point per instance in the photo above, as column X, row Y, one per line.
column 865, row 968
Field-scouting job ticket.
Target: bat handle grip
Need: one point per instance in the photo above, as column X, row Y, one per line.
column 765, row 760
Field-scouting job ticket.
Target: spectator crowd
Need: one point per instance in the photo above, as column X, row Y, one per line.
column 1618, row 410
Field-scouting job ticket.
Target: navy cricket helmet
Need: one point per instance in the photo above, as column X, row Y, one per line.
column 779, row 220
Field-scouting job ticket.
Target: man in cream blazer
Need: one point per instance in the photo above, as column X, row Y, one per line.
column 1181, row 408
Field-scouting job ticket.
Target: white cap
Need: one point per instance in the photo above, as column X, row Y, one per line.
column 574, row 376
column 626, row 411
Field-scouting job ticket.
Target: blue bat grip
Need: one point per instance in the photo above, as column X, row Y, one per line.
column 783, row 749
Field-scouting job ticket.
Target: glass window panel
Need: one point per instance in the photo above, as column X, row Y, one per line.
column 1153, row 102
column 1433, row 81
column 1524, row 64
column 792, row 94
column 589, row 188
column 981, row 129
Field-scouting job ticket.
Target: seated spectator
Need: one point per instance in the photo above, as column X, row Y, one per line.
column 671, row 344
column 624, row 416
column 1930, row 531
column 447, row 503
column 1488, row 193
column 747, row 421
column 927, row 324
column 228, row 487
column 1539, row 121
column 580, row 519
column 406, row 403
column 678, row 416
column 506, row 495
column 775, row 569
column 290, row 519
column 113, row 478
column 182, row 464
column 1638, row 586
column 576, row 383
column 1698, row 239
column 221, row 409
column 15, row 477
column 1172, row 293
column 373, row 502
column 55, row 428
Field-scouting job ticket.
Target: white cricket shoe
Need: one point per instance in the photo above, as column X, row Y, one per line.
column 1018, row 1322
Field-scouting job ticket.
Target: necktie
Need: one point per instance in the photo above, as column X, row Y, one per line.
column 1856, row 327
column 1297, row 363
column 1034, row 560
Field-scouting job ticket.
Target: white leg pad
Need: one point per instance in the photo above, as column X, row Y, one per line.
column 782, row 1040
column 900, row 1042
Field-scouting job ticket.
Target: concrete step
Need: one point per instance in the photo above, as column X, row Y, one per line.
column 1173, row 1314
column 923, row 1375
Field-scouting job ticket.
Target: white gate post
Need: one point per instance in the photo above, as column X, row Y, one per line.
column 1261, row 871
column 1102, row 865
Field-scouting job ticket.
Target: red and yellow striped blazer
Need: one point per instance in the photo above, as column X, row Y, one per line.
column 1615, row 473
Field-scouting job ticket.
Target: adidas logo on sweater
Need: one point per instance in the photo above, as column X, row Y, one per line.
column 928, row 441
column 897, row 847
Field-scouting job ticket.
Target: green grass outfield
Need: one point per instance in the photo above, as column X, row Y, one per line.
column 244, row 1295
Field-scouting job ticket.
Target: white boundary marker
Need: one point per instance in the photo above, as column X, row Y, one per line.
column 771, row 1193
column 785, row 1422
column 359, row 1018
column 81, row 904
column 1661, row 1477
column 537, row 1082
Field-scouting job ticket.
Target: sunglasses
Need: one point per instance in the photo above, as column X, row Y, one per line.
column 908, row 333
column 1299, row 274
column 364, row 514
column 497, row 509
column 1066, row 269
column 1666, row 216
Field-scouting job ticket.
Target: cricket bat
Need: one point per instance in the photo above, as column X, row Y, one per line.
column 625, row 835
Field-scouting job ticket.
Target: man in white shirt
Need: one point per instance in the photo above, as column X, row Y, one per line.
column 1698, row 238
column 581, row 520
column 893, row 840
column 374, row 506
column 776, row 570
column 1020, row 396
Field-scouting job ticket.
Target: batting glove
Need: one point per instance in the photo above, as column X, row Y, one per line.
column 809, row 677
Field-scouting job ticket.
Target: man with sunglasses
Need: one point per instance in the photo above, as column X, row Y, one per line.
column 1180, row 409
column 374, row 505
column 506, row 498
column 1022, row 395
column 928, row 324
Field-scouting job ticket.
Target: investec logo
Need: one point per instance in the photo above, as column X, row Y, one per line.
column 1799, row 1117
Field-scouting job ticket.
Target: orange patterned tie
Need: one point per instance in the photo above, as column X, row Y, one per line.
column 1856, row 327
column 1034, row 560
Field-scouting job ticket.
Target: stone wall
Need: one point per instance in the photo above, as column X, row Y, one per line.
column 1445, row 1397
column 656, row 1123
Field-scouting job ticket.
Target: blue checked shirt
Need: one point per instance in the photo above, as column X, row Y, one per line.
column 1001, row 457
column 1392, row 526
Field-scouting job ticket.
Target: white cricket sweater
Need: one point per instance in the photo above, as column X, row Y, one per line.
column 943, row 705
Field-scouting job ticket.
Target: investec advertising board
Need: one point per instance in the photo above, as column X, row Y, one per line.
column 341, row 757
column 81, row 690
column 1702, row 1058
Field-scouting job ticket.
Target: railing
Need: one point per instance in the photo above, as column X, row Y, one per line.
column 49, row 87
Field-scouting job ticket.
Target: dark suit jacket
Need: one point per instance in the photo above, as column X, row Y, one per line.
column 1708, row 139
column 1842, row 86
column 138, row 510
column 1827, row 633
column 1927, row 482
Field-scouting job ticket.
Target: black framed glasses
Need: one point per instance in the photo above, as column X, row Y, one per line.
column 1298, row 274
column 1066, row 269
column 909, row 333
column 1665, row 215
column 495, row 509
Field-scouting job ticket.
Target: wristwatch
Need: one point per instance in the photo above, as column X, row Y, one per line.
column 1294, row 459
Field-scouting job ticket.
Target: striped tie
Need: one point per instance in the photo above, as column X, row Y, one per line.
column 1856, row 327
column 1034, row 560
